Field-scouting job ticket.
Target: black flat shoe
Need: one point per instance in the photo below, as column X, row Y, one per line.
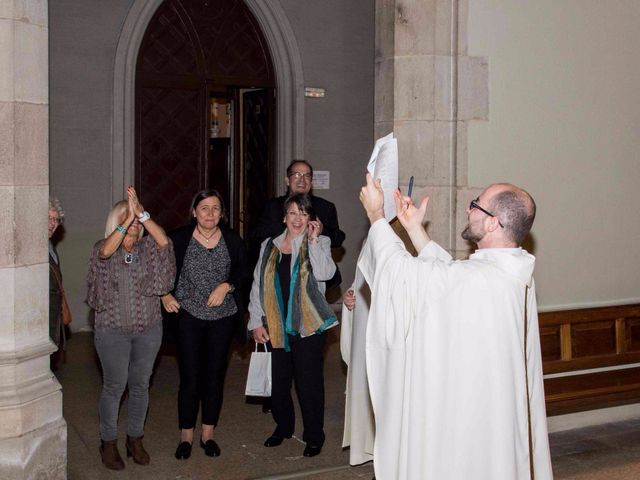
column 211, row 448
column 273, row 441
column 183, row 451
column 311, row 451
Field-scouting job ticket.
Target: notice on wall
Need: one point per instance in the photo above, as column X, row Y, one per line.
column 321, row 179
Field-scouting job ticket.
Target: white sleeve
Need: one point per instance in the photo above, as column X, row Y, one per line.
column 320, row 256
column 433, row 250
column 255, row 306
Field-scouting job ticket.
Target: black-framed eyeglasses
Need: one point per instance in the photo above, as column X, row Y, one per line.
column 306, row 176
column 474, row 204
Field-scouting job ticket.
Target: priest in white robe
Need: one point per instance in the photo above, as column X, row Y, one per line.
column 453, row 349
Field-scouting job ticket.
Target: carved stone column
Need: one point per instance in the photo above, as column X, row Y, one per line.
column 427, row 89
column 32, row 430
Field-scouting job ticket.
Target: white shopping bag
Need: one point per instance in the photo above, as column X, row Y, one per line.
column 259, row 376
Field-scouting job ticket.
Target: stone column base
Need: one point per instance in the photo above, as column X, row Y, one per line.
column 40, row 454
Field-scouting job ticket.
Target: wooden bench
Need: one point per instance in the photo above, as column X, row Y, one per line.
column 573, row 341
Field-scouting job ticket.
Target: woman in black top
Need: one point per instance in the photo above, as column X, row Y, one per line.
column 211, row 268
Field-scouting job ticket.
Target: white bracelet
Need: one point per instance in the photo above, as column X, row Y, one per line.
column 144, row 216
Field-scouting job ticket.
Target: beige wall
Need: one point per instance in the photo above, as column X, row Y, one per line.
column 564, row 122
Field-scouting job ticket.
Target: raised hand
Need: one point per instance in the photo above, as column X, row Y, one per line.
column 372, row 199
column 410, row 217
column 315, row 227
column 134, row 204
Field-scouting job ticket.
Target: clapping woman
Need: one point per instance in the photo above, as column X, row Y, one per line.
column 211, row 266
column 288, row 311
column 127, row 275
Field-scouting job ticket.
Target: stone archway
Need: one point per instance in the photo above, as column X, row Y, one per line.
column 289, row 81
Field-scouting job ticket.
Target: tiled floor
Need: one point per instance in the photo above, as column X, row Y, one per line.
column 604, row 452
column 610, row 451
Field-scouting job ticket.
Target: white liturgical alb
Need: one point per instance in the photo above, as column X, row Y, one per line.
column 453, row 363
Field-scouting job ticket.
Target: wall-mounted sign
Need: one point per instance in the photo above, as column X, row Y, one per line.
column 314, row 92
column 321, row 179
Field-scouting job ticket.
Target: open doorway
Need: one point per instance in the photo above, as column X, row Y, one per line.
column 204, row 111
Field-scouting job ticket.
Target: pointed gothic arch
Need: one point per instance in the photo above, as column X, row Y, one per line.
column 289, row 82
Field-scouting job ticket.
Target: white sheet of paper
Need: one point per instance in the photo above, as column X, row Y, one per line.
column 383, row 164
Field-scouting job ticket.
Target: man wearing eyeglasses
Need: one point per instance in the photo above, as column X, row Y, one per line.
column 298, row 180
column 453, row 348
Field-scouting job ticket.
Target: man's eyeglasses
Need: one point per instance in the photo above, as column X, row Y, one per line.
column 474, row 204
column 297, row 175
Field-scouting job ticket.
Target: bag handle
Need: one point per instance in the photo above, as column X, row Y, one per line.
column 263, row 344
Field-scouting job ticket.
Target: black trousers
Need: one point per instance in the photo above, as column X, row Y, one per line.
column 304, row 366
column 203, row 349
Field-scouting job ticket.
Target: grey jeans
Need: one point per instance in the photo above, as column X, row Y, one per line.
column 126, row 358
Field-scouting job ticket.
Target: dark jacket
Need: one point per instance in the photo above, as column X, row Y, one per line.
column 239, row 273
column 270, row 224
column 56, row 328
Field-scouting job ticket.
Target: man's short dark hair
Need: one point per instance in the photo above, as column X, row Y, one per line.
column 293, row 162
column 516, row 210
column 303, row 201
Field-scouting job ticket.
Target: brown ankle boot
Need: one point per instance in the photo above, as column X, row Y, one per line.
column 136, row 450
column 110, row 455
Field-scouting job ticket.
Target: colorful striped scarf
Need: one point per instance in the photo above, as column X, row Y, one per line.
column 308, row 311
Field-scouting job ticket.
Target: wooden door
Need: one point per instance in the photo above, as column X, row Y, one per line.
column 191, row 47
column 257, row 156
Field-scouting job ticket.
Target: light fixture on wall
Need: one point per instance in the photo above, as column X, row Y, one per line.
column 314, row 92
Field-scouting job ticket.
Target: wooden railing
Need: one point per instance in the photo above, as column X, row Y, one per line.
column 586, row 339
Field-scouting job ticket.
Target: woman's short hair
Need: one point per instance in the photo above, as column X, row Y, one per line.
column 114, row 218
column 200, row 196
column 303, row 202
column 54, row 204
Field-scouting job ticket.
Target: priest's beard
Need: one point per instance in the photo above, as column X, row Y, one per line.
column 472, row 234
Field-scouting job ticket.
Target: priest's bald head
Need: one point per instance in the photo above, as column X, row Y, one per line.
column 500, row 217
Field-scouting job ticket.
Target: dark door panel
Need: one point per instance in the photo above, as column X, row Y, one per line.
column 191, row 47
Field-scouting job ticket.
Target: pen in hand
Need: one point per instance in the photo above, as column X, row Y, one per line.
column 406, row 205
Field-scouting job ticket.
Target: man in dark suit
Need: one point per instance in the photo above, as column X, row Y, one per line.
column 298, row 180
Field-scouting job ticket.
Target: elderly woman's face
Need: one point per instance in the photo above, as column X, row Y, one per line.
column 296, row 220
column 208, row 213
column 54, row 221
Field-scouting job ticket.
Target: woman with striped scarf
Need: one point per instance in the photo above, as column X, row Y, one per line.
column 288, row 312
